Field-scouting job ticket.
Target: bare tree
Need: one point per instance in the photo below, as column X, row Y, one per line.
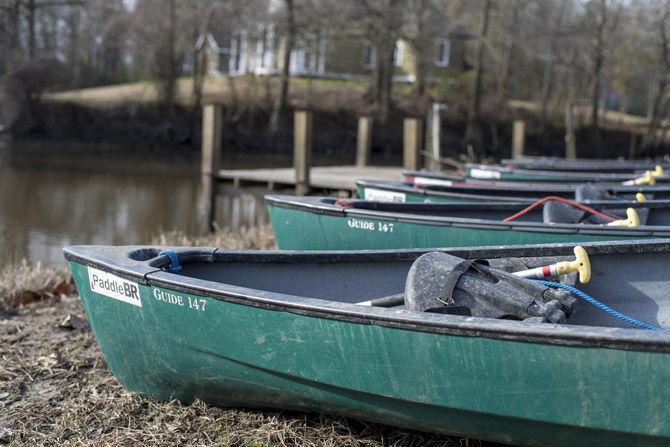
column 290, row 30
column 473, row 131
column 605, row 19
column 511, row 37
column 660, row 105
column 556, row 19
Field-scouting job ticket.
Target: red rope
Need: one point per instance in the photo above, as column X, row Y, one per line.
column 344, row 203
column 562, row 200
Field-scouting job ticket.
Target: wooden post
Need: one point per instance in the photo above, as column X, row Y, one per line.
column 302, row 150
column 518, row 138
column 412, row 131
column 570, row 143
column 364, row 141
column 435, row 128
column 212, row 122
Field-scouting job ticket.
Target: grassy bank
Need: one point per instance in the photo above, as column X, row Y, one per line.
column 55, row 388
column 245, row 91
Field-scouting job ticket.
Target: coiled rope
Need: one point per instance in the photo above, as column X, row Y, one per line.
column 602, row 306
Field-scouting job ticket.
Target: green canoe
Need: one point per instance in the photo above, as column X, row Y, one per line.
column 282, row 330
column 448, row 191
column 323, row 223
column 503, row 173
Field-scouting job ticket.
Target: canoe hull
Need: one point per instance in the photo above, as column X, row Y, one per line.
column 230, row 354
column 304, row 229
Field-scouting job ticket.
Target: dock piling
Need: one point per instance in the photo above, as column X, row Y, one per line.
column 212, row 122
column 570, row 140
column 412, row 143
column 364, row 141
column 518, row 138
column 302, row 150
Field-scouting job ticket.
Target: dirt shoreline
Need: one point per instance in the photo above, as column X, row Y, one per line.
column 55, row 388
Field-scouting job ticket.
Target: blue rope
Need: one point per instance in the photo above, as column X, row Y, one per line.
column 599, row 305
column 173, row 266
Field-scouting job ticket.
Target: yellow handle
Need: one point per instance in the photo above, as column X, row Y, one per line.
column 640, row 197
column 658, row 171
column 581, row 264
column 647, row 179
column 633, row 220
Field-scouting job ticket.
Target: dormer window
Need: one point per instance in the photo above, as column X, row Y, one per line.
column 398, row 53
column 369, row 55
column 442, row 56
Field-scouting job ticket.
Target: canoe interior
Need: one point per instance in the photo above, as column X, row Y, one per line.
column 633, row 283
column 520, row 190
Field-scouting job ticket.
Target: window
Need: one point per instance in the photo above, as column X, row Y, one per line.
column 398, row 53
column 442, row 56
column 369, row 55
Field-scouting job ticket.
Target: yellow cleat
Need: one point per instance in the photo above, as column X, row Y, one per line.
column 633, row 220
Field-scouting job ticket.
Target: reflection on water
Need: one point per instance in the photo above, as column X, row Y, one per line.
column 47, row 202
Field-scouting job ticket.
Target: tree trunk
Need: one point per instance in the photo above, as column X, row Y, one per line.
column 598, row 57
column 31, row 29
column 170, row 67
column 419, row 45
column 74, row 47
column 660, row 102
column 280, row 108
column 473, row 133
column 384, row 36
column 384, row 77
column 15, row 37
column 508, row 54
column 548, row 76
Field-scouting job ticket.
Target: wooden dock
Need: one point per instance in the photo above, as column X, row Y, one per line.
column 303, row 178
column 321, row 178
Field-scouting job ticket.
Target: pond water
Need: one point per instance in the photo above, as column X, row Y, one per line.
column 49, row 200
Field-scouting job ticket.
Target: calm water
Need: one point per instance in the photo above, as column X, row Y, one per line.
column 48, row 201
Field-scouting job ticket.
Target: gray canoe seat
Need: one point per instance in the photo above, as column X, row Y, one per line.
column 584, row 193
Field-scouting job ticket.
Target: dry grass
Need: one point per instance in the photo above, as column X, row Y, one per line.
column 24, row 283
column 257, row 238
column 55, row 388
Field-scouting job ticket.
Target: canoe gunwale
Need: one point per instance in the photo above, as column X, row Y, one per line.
column 582, row 336
column 548, row 175
column 588, row 165
column 482, row 193
column 312, row 205
column 465, row 183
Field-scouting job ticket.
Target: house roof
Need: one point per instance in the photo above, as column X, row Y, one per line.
column 461, row 33
column 215, row 39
